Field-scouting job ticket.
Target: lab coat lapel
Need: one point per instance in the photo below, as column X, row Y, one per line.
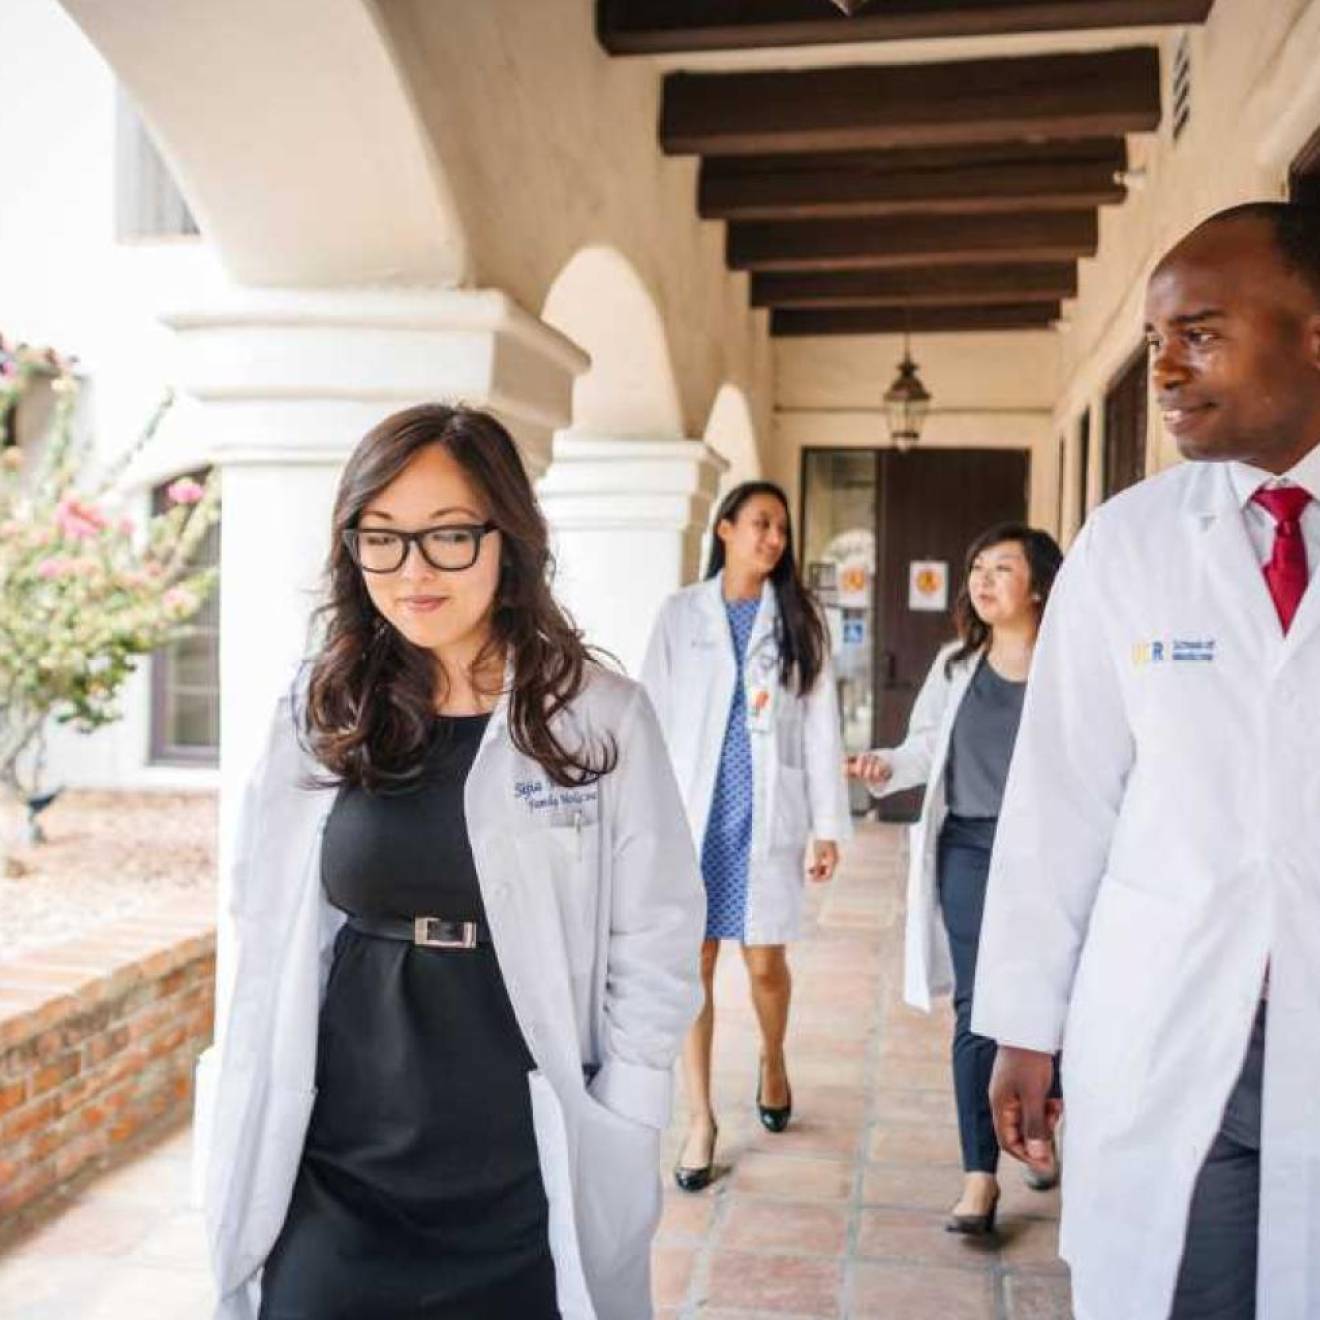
column 1304, row 624
column 1231, row 572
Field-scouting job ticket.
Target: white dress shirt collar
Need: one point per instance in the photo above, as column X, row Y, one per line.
column 1247, row 480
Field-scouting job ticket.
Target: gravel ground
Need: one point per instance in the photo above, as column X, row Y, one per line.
column 107, row 855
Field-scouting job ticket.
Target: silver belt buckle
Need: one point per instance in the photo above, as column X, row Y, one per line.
column 436, row 933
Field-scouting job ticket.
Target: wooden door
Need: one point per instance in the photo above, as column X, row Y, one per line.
column 930, row 504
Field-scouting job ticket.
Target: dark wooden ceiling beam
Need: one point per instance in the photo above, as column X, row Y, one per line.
column 923, row 286
column 1109, row 153
column 911, row 241
column 1093, row 94
column 976, row 190
column 647, row 27
column 921, row 320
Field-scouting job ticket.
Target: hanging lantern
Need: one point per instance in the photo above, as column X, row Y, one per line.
column 907, row 401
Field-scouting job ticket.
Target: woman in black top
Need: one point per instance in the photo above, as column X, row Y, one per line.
column 419, row 1192
column 970, row 709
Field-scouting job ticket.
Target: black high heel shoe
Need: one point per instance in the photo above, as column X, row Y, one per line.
column 772, row 1119
column 699, row 1178
column 974, row 1225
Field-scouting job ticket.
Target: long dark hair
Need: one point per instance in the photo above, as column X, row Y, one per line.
column 1043, row 558
column 803, row 641
column 372, row 694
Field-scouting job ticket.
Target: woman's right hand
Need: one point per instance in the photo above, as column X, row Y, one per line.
column 872, row 768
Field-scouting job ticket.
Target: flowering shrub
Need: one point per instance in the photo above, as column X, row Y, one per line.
column 83, row 592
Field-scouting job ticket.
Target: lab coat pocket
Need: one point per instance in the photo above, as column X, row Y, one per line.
column 618, row 1183
column 1131, row 948
column 278, row 1148
column 791, row 825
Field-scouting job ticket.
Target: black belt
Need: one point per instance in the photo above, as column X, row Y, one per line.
column 429, row 932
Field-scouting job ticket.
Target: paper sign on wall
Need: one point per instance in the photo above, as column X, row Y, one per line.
column 928, row 584
column 854, row 584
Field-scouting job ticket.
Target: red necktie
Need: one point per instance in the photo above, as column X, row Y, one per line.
column 1285, row 571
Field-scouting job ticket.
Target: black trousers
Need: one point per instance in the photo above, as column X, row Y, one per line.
column 964, row 864
column 1217, row 1277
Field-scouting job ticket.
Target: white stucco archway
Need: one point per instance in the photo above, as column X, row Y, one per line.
column 601, row 303
column 293, row 134
column 731, row 433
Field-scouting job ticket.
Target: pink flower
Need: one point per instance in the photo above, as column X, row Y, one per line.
column 53, row 568
column 77, row 520
column 126, row 527
column 179, row 601
column 185, row 491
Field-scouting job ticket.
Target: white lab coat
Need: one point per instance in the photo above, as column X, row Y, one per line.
column 798, row 785
column 595, row 908
column 1159, row 843
column 921, row 759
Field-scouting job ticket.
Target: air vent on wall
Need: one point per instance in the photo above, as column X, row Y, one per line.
column 1182, row 85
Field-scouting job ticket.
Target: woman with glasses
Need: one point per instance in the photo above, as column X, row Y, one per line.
column 959, row 744
column 739, row 670
column 467, row 912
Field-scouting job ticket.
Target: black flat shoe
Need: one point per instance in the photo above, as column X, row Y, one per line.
column 773, row 1120
column 974, row 1225
column 696, row 1180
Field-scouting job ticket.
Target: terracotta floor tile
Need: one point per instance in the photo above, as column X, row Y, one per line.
column 92, row 1228
column 1038, row 1297
column 889, row 1292
column 798, row 1227
column 153, row 1294
column 807, row 1136
column 793, row 1179
column 915, row 1074
column 918, row 1236
column 922, row 1107
column 775, row 1285
column 1019, row 1200
column 1030, row 1242
column 904, row 1143
column 671, row 1273
column 918, row 1187
column 685, row 1216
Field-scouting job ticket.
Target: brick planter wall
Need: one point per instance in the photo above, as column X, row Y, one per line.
column 98, row 1038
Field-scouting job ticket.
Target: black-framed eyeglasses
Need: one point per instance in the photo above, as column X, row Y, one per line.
column 450, row 547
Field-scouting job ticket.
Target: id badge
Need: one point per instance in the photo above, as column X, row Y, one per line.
column 760, row 707
column 761, row 688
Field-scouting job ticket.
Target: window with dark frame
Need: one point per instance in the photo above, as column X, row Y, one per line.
column 185, row 677
column 1125, row 425
column 1304, row 177
column 1060, row 487
column 1083, row 466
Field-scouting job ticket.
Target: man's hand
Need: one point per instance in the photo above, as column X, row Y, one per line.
column 1025, row 1116
column 825, row 857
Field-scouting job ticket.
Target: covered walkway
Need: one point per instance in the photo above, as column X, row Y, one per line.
column 839, row 1217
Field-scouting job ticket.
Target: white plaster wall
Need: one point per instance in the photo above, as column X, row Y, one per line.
column 64, row 280
column 1255, row 104
column 990, row 391
column 550, row 146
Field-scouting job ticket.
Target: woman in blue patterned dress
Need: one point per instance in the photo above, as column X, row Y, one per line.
column 738, row 668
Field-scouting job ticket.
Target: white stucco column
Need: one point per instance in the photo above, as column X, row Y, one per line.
column 627, row 516
column 286, row 382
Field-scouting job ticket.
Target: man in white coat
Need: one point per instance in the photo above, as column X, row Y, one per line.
column 1154, row 899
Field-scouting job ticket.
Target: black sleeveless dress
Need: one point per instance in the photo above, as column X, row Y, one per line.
column 419, row 1196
